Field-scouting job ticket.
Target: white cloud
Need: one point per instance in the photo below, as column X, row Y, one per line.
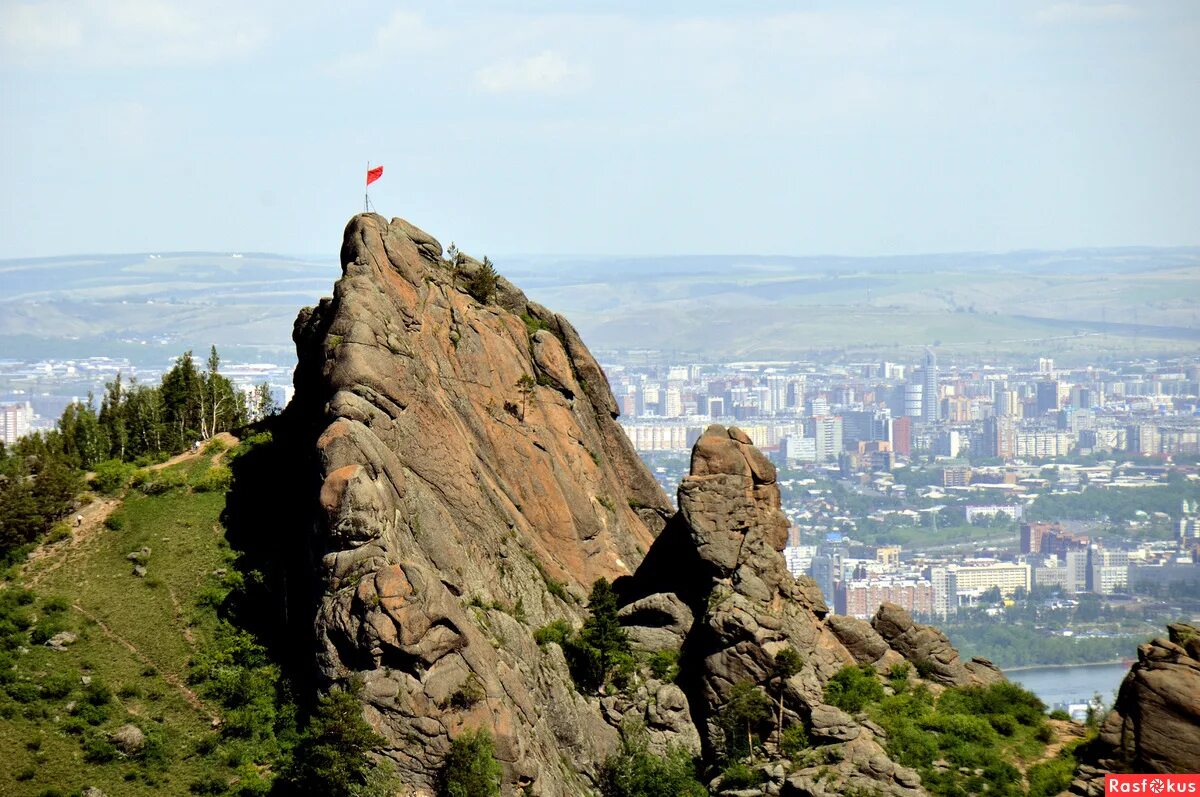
column 404, row 33
column 1070, row 13
column 544, row 73
column 127, row 33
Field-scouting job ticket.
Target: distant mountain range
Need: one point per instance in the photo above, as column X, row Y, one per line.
column 1087, row 303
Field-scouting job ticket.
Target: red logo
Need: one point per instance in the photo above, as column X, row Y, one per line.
column 1152, row 785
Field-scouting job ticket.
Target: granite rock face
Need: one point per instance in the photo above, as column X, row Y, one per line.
column 1154, row 726
column 451, row 498
column 471, row 484
column 720, row 556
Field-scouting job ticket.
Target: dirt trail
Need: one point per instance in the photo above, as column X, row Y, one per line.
column 55, row 554
column 174, row 680
column 93, row 516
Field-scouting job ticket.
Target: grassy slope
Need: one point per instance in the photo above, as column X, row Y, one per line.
column 136, row 636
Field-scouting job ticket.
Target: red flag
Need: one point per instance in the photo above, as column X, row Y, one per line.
column 374, row 174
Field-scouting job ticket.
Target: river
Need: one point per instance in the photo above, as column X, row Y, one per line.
column 1072, row 684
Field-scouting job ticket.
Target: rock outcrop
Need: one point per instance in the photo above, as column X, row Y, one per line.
column 930, row 651
column 471, row 484
column 462, row 505
column 1154, row 726
column 720, row 557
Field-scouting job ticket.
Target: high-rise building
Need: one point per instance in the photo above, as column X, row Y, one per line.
column 1008, row 404
column 14, row 421
column 826, row 433
column 902, row 435
column 862, row 598
column 672, row 403
column 1047, row 397
column 999, row 437
column 1109, row 570
column 912, row 399
column 930, row 401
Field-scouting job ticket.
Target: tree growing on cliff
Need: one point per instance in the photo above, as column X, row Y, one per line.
column 526, row 385
column 785, row 664
column 331, row 758
column 481, row 283
column 470, row 768
column 600, row 651
column 744, row 717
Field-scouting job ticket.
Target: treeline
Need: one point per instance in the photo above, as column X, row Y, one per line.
column 1021, row 646
column 1115, row 504
column 41, row 474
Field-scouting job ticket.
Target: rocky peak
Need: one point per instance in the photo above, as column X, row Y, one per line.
column 473, row 483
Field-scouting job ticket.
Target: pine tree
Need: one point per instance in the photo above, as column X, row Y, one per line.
column 331, row 759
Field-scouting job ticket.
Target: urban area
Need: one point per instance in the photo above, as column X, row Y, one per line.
column 1041, row 515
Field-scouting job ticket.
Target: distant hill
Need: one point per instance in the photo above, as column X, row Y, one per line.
column 1078, row 303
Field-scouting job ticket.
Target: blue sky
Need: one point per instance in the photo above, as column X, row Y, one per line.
column 600, row 128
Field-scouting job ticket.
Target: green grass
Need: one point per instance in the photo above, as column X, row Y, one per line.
column 168, row 617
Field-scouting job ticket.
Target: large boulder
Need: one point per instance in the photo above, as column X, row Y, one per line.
column 1154, row 725
column 930, row 650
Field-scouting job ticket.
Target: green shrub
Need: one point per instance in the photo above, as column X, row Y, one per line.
column 214, row 446
column 111, row 476
column 792, row 740
column 664, row 665
column 533, row 324
column 636, row 772
column 600, row 651
column 1005, row 724
column 853, row 688
column 209, row 784
column 90, row 714
column 739, row 775
column 469, row 692
column 114, row 522
column 97, row 749
column 470, row 768
column 58, row 686
column 55, row 605
column 164, row 481
column 481, row 283
column 216, row 480
column 1047, row 778
column 45, row 630
column 58, row 533
column 1059, row 714
column 557, row 589
column 97, row 694
column 558, row 632
column 23, row 692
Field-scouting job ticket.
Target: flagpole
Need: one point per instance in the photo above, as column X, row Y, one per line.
column 367, row 190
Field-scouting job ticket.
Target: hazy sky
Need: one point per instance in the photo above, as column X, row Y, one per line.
column 620, row 127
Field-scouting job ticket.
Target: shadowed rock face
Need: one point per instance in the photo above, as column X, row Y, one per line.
column 1155, row 724
column 446, row 489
